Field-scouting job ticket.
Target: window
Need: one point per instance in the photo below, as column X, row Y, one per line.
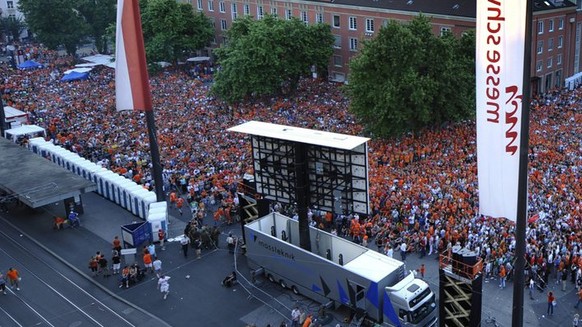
column 551, row 25
column 336, row 21
column 337, row 42
column 210, row 5
column 560, row 41
column 319, row 17
column 246, row 9
column 304, row 17
column 353, row 44
column 539, row 66
column 561, row 24
column 223, row 25
column 260, row 12
column 549, row 62
column 288, row 13
column 337, row 61
column 559, row 59
column 369, row 25
column 541, row 27
column 12, row 17
column 540, row 47
column 10, row 4
column 353, row 23
column 551, row 44
column 234, row 9
column 221, row 6
column 274, row 11
column 445, row 30
column 199, row 4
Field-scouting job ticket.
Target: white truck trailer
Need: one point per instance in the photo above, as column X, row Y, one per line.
column 341, row 271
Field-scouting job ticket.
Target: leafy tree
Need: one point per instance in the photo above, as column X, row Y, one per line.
column 12, row 27
column 98, row 14
column 407, row 78
column 172, row 30
column 269, row 56
column 55, row 22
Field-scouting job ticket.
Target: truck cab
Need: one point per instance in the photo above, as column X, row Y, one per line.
column 413, row 301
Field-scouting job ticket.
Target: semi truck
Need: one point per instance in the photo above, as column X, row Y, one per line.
column 339, row 272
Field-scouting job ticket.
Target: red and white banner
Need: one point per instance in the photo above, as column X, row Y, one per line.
column 132, row 86
column 499, row 74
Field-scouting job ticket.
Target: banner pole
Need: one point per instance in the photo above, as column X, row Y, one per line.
column 521, row 221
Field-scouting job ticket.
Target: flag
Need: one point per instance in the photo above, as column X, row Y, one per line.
column 132, row 86
column 499, row 76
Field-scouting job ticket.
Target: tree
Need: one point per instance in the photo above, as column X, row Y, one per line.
column 407, row 78
column 172, row 30
column 99, row 15
column 12, row 27
column 269, row 56
column 55, row 23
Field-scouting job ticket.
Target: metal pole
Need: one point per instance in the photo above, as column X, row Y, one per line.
column 302, row 194
column 155, row 154
column 3, row 124
column 520, row 225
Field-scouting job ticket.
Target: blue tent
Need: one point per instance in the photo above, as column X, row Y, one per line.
column 30, row 64
column 74, row 76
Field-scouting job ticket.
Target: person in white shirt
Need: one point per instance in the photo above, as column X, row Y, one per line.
column 403, row 251
column 164, row 285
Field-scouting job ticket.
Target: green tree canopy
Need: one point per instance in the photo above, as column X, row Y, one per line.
column 407, row 78
column 172, row 30
column 55, row 22
column 98, row 15
column 269, row 56
column 12, row 27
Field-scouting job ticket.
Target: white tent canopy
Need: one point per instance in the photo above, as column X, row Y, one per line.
column 198, row 59
column 78, row 70
column 101, row 59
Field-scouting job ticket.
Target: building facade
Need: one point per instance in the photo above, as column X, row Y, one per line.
column 555, row 39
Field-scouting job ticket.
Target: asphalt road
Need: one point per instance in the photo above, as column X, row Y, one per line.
column 53, row 294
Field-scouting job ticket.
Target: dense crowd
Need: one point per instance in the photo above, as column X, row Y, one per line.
column 423, row 186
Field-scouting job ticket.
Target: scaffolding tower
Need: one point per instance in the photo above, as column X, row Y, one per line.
column 461, row 285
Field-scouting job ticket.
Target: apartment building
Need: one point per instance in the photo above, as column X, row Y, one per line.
column 555, row 39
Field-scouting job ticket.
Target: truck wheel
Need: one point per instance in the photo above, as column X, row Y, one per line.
column 283, row 284
column 295, row 290
column 270, row 278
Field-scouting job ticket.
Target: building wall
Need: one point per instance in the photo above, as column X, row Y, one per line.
column 353, row 24
column 10, row 8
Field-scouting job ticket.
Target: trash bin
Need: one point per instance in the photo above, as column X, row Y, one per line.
column 136, row 234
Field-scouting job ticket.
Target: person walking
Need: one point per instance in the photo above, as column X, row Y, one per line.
column 14, row 278
column 198, row 248
column 94, row 265
column 185, row 241
column 147, row 261
column 116, row 244
column 531, row 287
column 502, row 276
column 403, row 251
column 576, row 320
column 103, row 267
column 157, row 267
column 579, row 298
column 551, row 304
column 295, row 314
column 116, row 261
column 164, row 285
column 2, row 283
column 162, row 238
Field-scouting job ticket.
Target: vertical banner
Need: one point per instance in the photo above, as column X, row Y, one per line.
column 499, row 76
column 132, row 86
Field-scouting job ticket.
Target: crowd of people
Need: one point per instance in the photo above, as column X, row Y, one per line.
column 422, row 186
